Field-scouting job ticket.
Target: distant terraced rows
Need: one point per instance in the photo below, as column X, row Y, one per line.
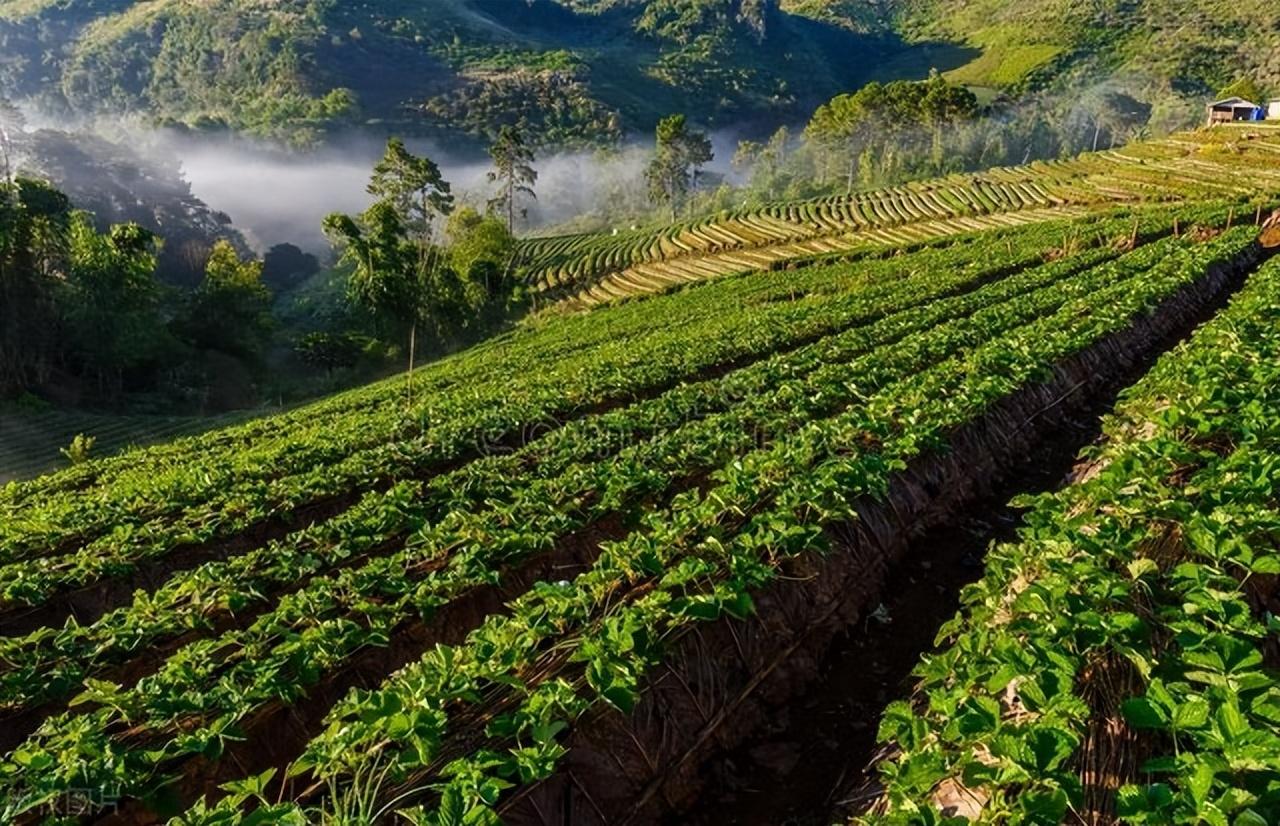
column 588, row 269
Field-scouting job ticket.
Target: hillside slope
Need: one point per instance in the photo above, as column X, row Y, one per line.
column 586, row 71
column 580, row 71
column 1164, row 52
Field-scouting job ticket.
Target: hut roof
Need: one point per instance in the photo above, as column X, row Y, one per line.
column 1232, row 103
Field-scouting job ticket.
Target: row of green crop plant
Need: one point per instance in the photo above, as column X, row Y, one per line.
column 694, row 401
column 508, row 510
column 108, row 529
column 40, row 514
column 764, row 292
column 491, row 362
column 227, row 513
column 489, row 715
column 99, row 757
column 144, row 491
column 680, row 272
column 682, row 432
column 1134, row 615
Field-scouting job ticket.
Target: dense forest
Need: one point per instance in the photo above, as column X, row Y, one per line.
column 581, row 72
column 95, row 312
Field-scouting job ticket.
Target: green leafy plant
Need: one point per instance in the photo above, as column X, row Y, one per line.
column 79, row 449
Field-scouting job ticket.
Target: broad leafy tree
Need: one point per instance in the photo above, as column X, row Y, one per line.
column 396, row 264
column 383, row 265
column 231, row 309
column 35, row 220
column 329, row 351
column 285, row 266
column 766, row 163
column 113, row 307
column 481, row 249
column 888, row 119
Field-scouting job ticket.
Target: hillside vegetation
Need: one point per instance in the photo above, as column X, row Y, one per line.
column 1166, row 52
column 585, row 72
column 638, row 490
column 577, row 71
column 1118, row 661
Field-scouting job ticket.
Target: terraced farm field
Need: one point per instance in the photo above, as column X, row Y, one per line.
column 596, row 552
column 586, row 270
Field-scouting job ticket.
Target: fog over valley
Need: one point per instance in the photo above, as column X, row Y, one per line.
column 274, row 196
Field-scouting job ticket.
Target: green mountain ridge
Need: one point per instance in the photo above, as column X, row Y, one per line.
column 1165, row 52
column 586, row 72
column 580, row 71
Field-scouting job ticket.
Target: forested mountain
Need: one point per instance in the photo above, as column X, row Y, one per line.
column 120, row 184
column 588, row 71
column 580, row 71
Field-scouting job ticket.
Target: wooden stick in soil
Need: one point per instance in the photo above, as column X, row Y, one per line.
column 413, row 343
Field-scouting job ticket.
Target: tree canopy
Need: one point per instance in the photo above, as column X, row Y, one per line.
column 513, row 171
column 230, row 311
column 398, row 270
column 891, row 107
column 113, row 311
column 888, row 118
column 679, row 153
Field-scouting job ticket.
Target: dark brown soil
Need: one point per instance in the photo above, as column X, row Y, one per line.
column 799, row 766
